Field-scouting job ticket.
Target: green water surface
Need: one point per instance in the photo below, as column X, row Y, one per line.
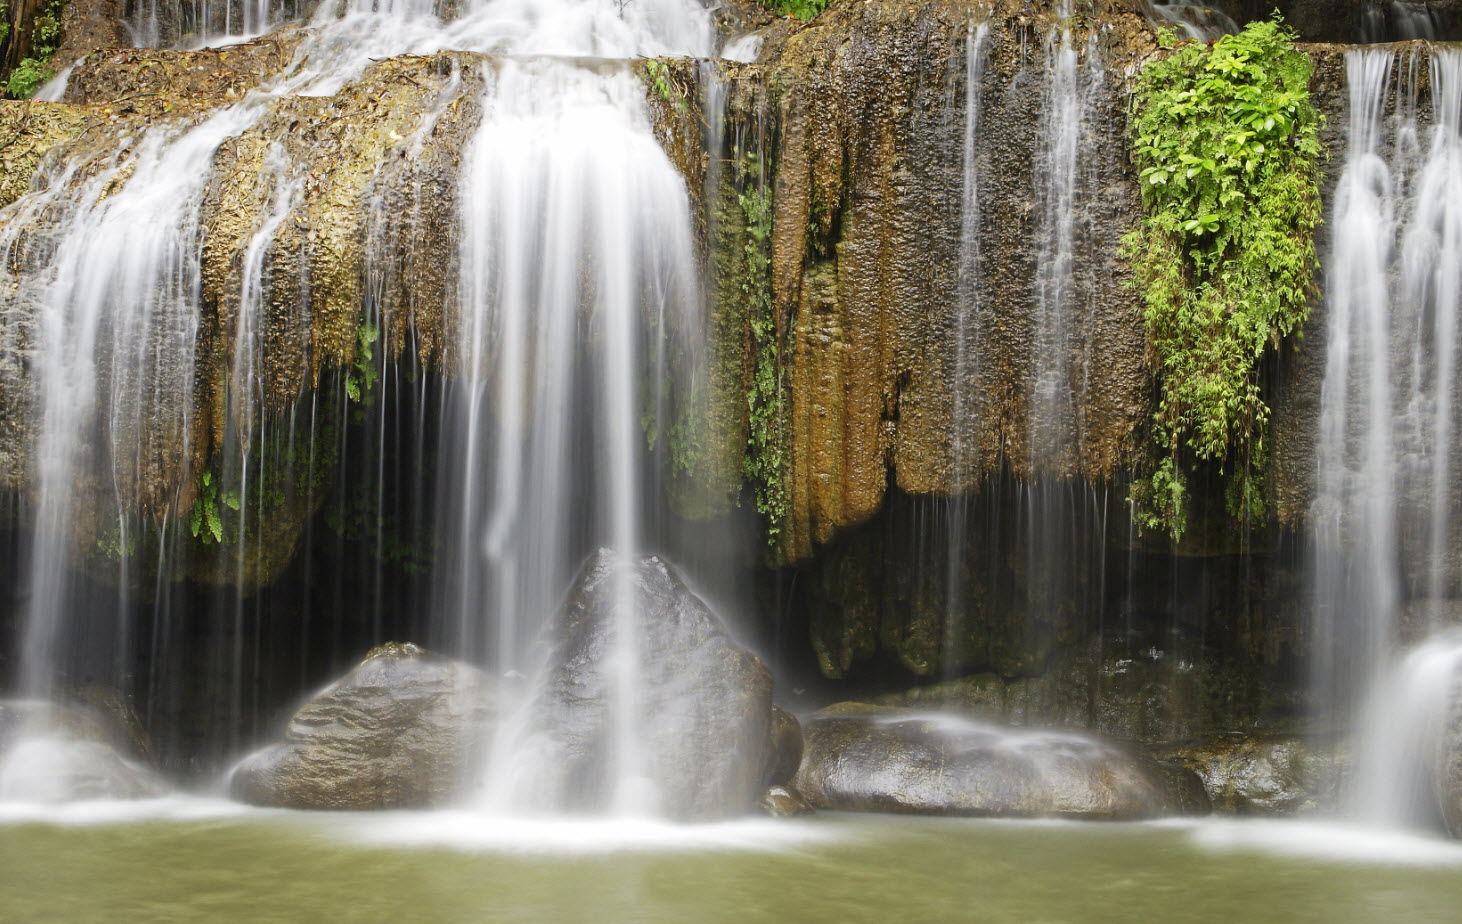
column 322, row 868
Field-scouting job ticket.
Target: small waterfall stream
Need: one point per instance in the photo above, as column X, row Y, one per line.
column 966, row 336
column 1383, row 518
column 1024, row 543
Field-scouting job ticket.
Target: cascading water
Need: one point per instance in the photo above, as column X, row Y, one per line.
column 576, row 303
column 1047, row 532
column 565, row 175
column 1399, row 20
column 1061, row 348
column 966, row 338
column 113, row 342
column 1354, row 467
column 1053, row 508
column 1384, row 512
column 1192, row 20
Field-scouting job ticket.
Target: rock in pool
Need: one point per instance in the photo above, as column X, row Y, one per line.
column 870, row 758
column 403, row 729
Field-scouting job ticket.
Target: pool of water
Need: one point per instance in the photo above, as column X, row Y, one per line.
column 196, row 859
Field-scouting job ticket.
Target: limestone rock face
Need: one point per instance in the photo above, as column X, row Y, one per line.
column 1262, row 775
column 87, row 25
column 55, row 753
column 899, row 368
column 866, row 758
column 401, row 730
column 702, row 704
column 905, row 365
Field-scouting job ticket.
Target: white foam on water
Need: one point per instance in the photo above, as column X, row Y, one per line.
column 84, row 813
column 1324, row 840
column 454, row 829
column 467, row 830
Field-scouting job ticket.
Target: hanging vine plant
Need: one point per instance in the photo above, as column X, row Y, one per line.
column 1226, row 141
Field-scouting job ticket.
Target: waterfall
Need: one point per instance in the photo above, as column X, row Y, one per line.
column 569, row 204
column 1399, row 20
column 112, row 297
column 1060, row 353
column 1353, row 517
column 1011, row 547
column 1404, row 731
column 576, row 306
column 963, row 422
column 1383, row 518
column 1051, row 508
column 1193, row 20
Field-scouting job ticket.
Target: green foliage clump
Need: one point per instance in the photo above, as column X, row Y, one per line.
column 361, row 379
column 358, row 518
column 111, row 544
column 802, row 9
column 28, row 77
column 658, row 73
column 684, row 434
column 34, row 71
column 205, row 520
column 764, row 463
column 1226, row 141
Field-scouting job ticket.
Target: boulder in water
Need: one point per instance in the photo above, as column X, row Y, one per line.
column 401, row 730
column 870, row 758
column 1261, row 774
column 700, row 705
column 784, row 802
column 785, row 755
column 55, row 753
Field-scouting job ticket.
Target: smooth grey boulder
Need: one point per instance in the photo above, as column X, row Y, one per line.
column 56, row 753
column 869, row 758
column 404, row 729
column 700, row 710
column 1262, row 774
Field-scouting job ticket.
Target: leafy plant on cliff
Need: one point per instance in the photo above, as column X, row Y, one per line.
column 361, row 379
column 802, row 9
column 1226, row 141
column 205, row 520
column 659, row 75
column 764, row 464
column 33, row 71
column 683, row 436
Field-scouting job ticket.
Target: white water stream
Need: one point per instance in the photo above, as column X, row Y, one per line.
column 576, row 264
column 1384, row 517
